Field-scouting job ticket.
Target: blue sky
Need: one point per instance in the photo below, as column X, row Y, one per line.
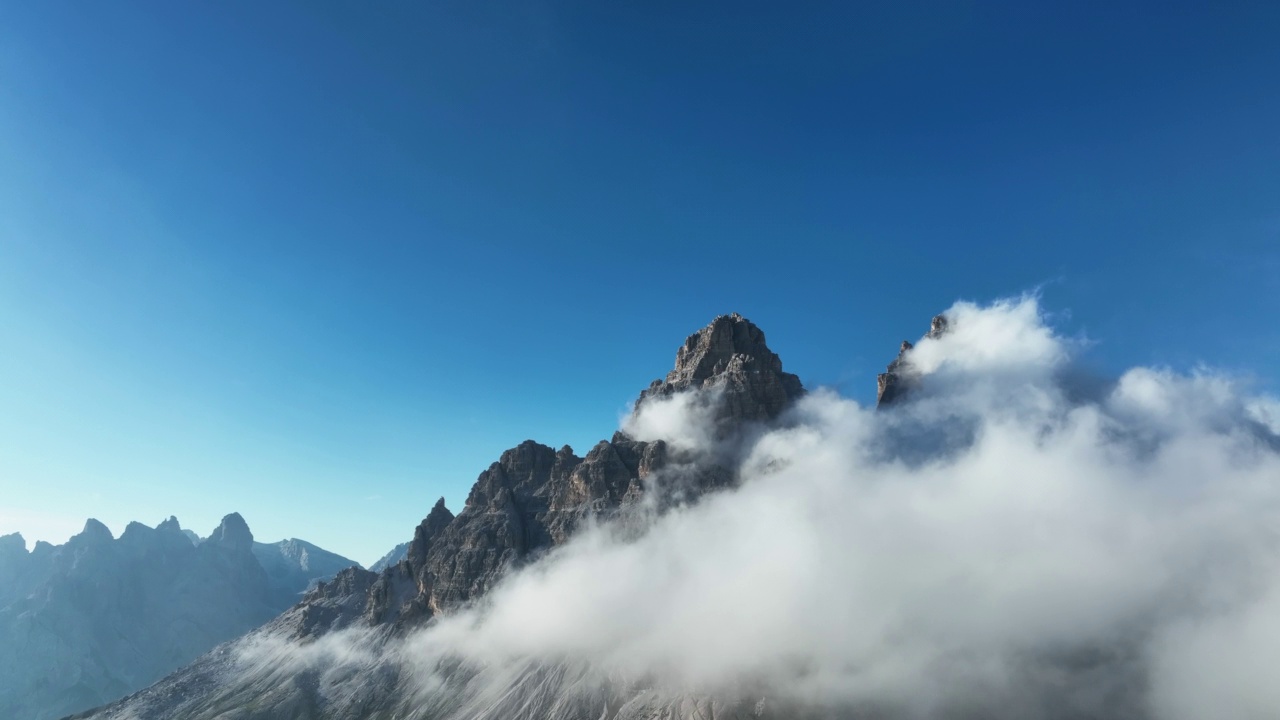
column 321, row 262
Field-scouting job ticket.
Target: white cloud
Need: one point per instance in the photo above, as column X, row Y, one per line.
column 683, row 421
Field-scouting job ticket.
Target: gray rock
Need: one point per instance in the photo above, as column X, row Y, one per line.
column 730, row 354
column 294, row 566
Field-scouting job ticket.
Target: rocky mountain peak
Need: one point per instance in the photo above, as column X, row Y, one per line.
column 13, row 544
column 899, row 377
column 233, row 534
column 135, row 531
column 94, row 531
column 938, row 326
column 170, row 525
column 707, row 352
column 730, row 354
column 427, row 531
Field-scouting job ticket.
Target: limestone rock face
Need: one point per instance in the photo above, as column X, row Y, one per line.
column 900, row 377
column 730, row 354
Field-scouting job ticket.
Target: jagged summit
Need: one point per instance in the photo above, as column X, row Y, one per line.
column 170, row 525
column 232, row 533
column 430, row 527
column 13, row 541
column 94, row 531
column 898, row 378
column 731, row 354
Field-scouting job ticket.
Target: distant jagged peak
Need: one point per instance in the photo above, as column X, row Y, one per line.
column 899, row 377
column 135, row 530
column 232, row 533
column 94, row 531
column 731, row 354
column 12, row 543
column 170, row 525
column 139, row 535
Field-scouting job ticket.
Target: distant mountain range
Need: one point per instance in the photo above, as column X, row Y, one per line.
column 397, row 554
column 99, row 617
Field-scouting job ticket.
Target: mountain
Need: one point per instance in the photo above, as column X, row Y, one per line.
column 98, row 617
column 395, row 555
column 901, row 377
column 532, row 500
column 294, row 566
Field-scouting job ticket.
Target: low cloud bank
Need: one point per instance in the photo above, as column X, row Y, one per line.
column 1002, row 543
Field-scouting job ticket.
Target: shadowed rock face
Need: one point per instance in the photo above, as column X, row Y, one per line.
column 532, row 499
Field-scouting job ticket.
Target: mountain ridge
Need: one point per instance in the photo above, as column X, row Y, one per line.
column 99, row 616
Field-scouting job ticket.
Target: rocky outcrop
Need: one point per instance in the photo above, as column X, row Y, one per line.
column 88, row 621
column 730, row 356
column 900, row 377
column 232, row 535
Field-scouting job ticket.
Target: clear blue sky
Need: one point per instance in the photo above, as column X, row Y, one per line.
column 321, row 262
